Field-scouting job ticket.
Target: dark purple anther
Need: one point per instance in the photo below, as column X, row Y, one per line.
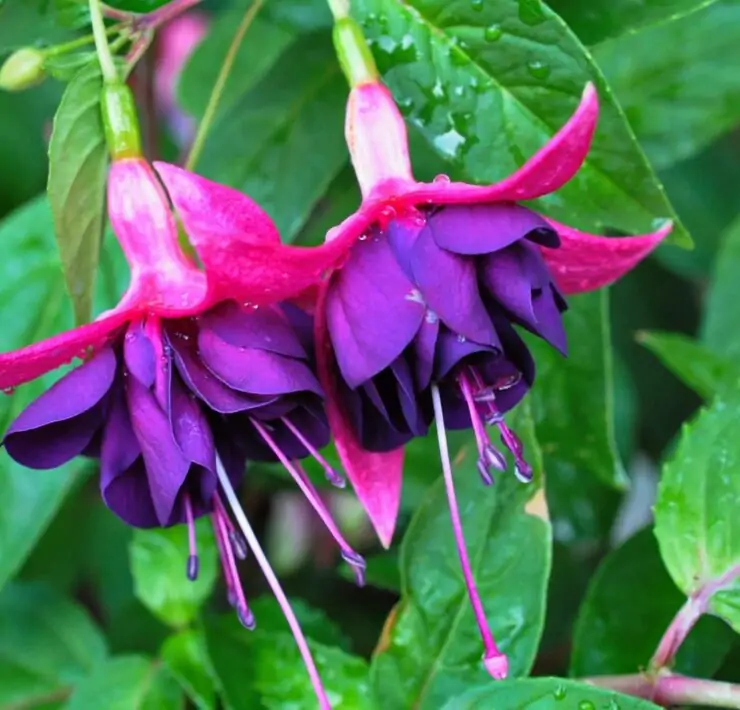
column 485, row 474
column 246, row 617
column 358, row 564
column 238, row 544
column 193, row 566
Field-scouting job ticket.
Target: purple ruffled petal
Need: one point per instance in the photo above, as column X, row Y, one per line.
column 254, row 371
column 453, row 348
column 139, row 355
column 425, row 344
column 266, row 328
column 449, row 285
column 63, row 421
column 373, row 311
column 485, row 228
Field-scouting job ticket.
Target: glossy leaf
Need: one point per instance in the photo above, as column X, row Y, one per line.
column 159, row 562
column 263, row 668
column 574, row 396
column 698, row 507
column 187, row 660
column 47, row 644
column 544, row 694
column 137, row 5
column 629, row 605
column 127, row 683
column 461, row 71
column 282, row 143
column 611, row 18
column 431, row 648
column 721, row 326
column 78, row 161
column 693, row 363
column 675, row 81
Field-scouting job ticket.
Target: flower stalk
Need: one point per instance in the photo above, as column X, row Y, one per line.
column 105, row 56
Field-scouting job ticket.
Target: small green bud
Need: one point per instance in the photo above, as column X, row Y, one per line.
column 121, row 121
column 22, row 70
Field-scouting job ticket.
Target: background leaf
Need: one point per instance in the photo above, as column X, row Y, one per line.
column 187, row 660
column 698, row 506
column 78, row 163
column 47, row 644
column 159, row 563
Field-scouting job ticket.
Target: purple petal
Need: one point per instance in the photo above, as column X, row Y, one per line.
column 548, row 319
column 425, row 344
column 485, row 228
column 453, row 348
column 266, row 328
column 124, row 486
column 407, row 397
column 449, row 285
column 309, row 420
column 199, row 379
column 62, row 422
column 166, row 466
column 373, row 311
column 254, row 371
column 139, row 355
column 190, row 428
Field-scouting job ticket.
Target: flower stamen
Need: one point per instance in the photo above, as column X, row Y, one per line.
column 238, row 543
column 192, row 569
column 314, row 498
column 332, row 475
column 272, row 580
column 494, row 660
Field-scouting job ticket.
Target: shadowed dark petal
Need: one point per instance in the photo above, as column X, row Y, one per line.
column 254, row 371
column 139, row 355
column 310, row 420
column 166, row 466
column 452, row 348
column 401, row 235
column 124, row 486
column 302, row 324
column 549, row 321
column 266, row 328
column 372, row 311
column 407, row 397
column 230, row 447
column 449, row 286
column 62, row 422
column 425, row 343
column 199, row 379
column 375, row 429
column 485, row 228
column 191, row 430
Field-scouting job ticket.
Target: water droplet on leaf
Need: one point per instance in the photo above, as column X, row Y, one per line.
column 586, row 705
column 477, row 5
column 539, row 70
column 492, row 33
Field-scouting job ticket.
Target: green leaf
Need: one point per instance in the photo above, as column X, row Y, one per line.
column 488, row 90
column 282, row 143
column 381, row 573
column 611, row 18
column 186, row 657
column 675, row 81
column 159, row 563
column 78, row 161
column 574, row 396
column 618, row 630
column 693, row 363
column 545, row 694
column 127, row 683
column 721, row 326
column 698, row 508
column 432, row 649
column 137, row 5
column 47, row 643
column 263, row 668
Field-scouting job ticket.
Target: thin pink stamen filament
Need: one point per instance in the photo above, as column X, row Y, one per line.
column 332, row 475
column 496, row 662
column 308, row 489
column 277, row 590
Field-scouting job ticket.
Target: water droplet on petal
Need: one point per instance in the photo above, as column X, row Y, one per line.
column 8, row 390
column 461, row 338
column 442, row 179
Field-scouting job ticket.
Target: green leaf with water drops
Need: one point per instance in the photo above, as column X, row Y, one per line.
column 618, row 629
column 610, row 18
column 159, row 562
column 488, row 87
column 545, row 694
column 693, row 363
column 431, row 649
column 676, row 82
column 721, row 326
column 185, row 656
column 697, row 512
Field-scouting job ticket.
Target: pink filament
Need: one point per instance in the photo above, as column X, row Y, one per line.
column 331, row 474
column 495, row 661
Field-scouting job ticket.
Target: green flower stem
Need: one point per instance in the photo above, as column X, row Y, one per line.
column 339, row 8
column 218, row 88
column 105, row 56
column 58, row 49
column 351, row 47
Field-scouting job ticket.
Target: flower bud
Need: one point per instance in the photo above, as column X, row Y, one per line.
column 22, row 70
column 120, row 121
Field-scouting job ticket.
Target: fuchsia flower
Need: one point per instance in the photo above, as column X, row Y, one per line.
column 191, row 375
